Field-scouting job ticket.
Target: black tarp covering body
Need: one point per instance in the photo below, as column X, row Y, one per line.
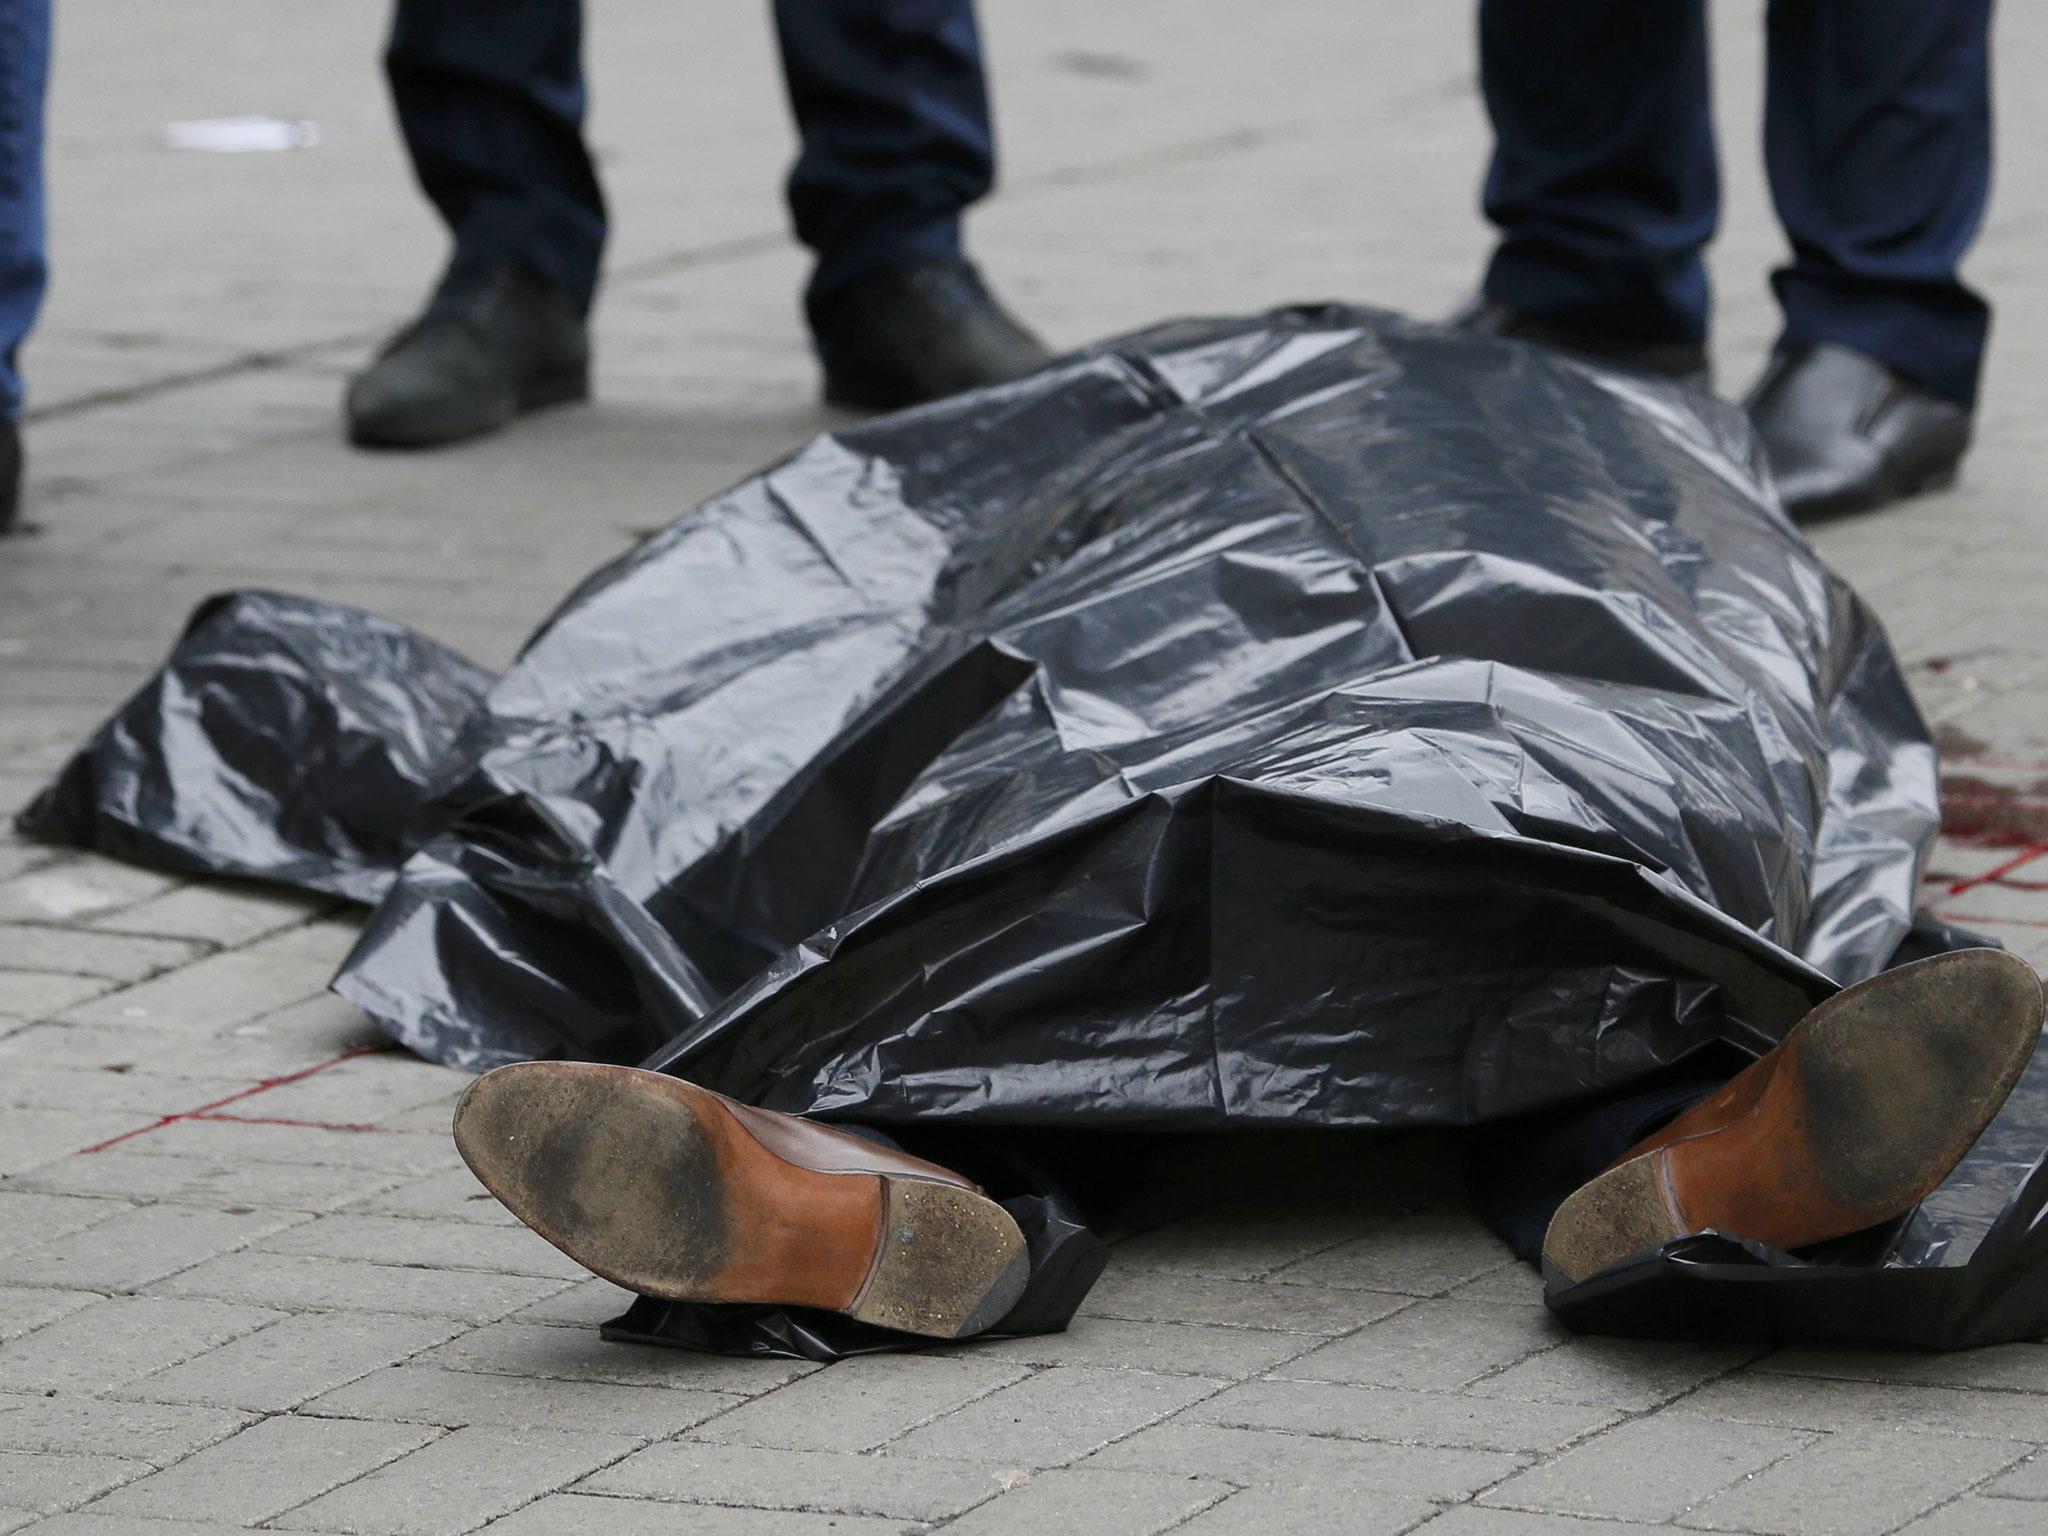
column 1314, row 719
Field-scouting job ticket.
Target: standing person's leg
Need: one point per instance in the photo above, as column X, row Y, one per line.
column 24, row 73
column 892, row 107
column 490, row 100
column 1877, row 134
column 1603, row 181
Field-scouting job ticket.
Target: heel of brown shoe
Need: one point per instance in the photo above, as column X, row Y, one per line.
column 1626, row 1210
column 950, row 1263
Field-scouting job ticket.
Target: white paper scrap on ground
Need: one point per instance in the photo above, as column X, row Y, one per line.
column 242, row 135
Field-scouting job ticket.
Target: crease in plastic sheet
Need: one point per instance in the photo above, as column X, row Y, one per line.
column 1318, row 718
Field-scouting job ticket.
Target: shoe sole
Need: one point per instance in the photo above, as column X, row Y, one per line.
column 1881, row 1091
column 658, row 1186
column 535, row 394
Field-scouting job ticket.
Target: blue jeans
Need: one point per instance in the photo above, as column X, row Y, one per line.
column 24, row 71
column 1877, row 137
column 889, row 101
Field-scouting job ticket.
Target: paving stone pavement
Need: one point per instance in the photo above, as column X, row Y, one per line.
column 244, row 1280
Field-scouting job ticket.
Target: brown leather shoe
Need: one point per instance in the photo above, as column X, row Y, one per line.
column 1857, row 1117
column 674, row 1191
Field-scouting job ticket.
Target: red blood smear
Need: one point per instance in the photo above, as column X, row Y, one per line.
column 1979, row 810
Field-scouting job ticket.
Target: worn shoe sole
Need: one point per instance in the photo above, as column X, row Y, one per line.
column 660, row 1186
column 471, row 418
column 1873, row 1098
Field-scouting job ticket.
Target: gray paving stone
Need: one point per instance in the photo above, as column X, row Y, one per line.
column 294, row 1281
column 830, row 1482
column 1619, row 1373
column 39, row 994
column 23, row 1310
column 280, row 1367
column 1055, row 1416
column 459, row 1482
column 265, row 1470
column 1144, row 1295
column 220, row 990
column 255, row 1142
column 44, row 947
column 429, row 1394
column 213, row 913
column 454, row 1195
column 216, row 1183
column 861, row 1403
column 143, row 1097
column 1978, row 1517
column 2003, row 1367
column 1308, row 1512
column 564, row 1513
column 1109, row 1503
column 368, row 1090
column 138, row 1246
column 77, row 888
column 586, row 1305
column 1652, row 1469
column 506, row 1250
column 1813, row 1404
column 155, row 1433
column 1515, row 1284
column 90, row 1522
column 31, row 1137
column 1470, row 1520
column 1855, row 1483
column 1421, row 1255
column 1272, row 1458
column 119, row 1048
column 117, row 1339
column 45, row 1482
column 1399, row 1416
column 1244, row 1244
column 578, row 1354
column 2029, row 1480
column 1171, row 1348
column 31, row 1219
column 1433, row 1345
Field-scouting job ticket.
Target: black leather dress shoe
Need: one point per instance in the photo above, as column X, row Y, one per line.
column 1844, row 433
column 913, row 334
column 1492, row 317
column 10, row 472
column 490, row 344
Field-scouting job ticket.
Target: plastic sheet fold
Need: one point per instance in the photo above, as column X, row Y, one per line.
column 1314, row 719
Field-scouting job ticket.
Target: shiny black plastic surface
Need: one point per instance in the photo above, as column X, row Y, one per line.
column 1320, row 718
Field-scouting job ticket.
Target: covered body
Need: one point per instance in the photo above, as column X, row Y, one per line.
column 1320, row 718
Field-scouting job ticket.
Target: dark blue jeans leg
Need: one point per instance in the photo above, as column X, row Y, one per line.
column 892, row 109
column 1603, row 183
column 24, row 71
column 1877, row 134
column 1520, row 1171
column 490, row 100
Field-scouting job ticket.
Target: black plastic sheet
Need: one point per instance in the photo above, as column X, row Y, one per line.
column 1320, row 718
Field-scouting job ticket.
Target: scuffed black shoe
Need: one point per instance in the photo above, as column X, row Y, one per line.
column 1492, row 317
column 10, row 472
column 1845, row 434
column 490, row 344
column 913, row 334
